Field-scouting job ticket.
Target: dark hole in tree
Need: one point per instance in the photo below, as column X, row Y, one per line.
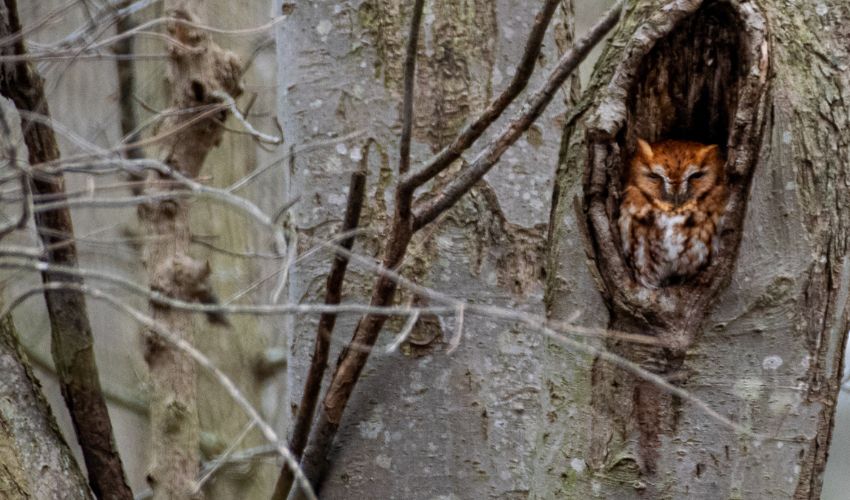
column 687, row 86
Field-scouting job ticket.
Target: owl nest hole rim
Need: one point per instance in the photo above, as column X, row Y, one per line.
column 695, row 70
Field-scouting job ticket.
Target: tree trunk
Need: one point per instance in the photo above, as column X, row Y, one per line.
column 196, row 78
column 35, row 461
column 72, row 345
column 759, row 335
column 422, row 422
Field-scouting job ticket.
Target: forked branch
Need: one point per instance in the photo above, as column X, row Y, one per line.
column 321, row 347
column 406, row 222
column 473, row 131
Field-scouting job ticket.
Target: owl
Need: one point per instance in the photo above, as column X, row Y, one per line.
column 672, row 206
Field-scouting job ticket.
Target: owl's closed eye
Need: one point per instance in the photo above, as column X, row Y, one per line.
column 672, row 206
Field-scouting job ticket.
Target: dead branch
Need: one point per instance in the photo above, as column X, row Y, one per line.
column 405, row 223
column 427, row 211
column 409, row 84
column 333, row 295
column 473, row 131
column 71, row 336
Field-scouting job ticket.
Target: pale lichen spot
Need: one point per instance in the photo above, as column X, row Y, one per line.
column 821, row 9
column 336, row 199
column 578, row 465
column 383, row 461
column 342, row 149
column 324, row 27
column 771, row 362
column 497, row 76
column 786, row 137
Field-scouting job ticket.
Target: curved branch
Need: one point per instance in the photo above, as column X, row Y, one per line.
column 460, row 185
column 473, row 131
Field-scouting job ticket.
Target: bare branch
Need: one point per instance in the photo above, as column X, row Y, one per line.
column 409, row 84
column 321, row 348
column 473, row 131
column 152, row 327
column 71, row 335
column 429, row 210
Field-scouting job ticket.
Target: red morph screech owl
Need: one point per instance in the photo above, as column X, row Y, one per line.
column 672, row 206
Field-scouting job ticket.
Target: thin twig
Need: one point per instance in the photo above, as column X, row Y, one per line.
column 266, row 138
column 162, row 300
column 222, row 459
column 458, row 336
column 409, row 84
column 427, row 211
column 31, row 262
column 405, row 331
column 324, row 331
column 155, row 328
column 473, row 131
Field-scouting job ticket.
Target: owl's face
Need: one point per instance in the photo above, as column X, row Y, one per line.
column 674, row 173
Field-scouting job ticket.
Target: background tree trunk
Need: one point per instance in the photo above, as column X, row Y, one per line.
column 83, row 95
column 769, row 354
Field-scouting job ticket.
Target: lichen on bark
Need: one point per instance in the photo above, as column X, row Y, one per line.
column 769, row 354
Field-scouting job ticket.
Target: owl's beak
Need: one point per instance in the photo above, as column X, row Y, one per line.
column 677, row 198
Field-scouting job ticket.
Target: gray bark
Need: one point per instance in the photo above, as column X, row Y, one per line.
column 768, row 355
column 422, row 423
column 509, row 415
column 35, row 461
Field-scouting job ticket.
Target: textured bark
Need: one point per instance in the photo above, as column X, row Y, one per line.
column 421, row 423
column 321, row 349
column 700, row 73
column 195, row 76
column 241, row 351
column 35, row 461
column 763, row 346
column 71, row 336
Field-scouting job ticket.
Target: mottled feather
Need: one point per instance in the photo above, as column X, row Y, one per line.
column 672, row 207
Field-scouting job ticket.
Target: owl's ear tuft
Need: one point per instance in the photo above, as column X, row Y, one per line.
column 645, row 150
column 705, row 151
